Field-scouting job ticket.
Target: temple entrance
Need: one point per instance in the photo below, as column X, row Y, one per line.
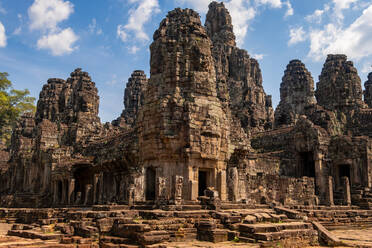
column 307, row 168
column 343, row 170
column 59, row 191
column 150, row 181
column 202, row 182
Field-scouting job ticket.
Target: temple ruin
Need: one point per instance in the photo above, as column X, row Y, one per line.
column 199, row 134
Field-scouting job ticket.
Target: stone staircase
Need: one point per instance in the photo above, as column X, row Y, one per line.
column 334, row 217
column 119, row 226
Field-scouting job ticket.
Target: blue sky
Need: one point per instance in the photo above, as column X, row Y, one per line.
column 40, row 39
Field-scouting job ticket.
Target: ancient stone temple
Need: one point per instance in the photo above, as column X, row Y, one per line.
column 198, row 152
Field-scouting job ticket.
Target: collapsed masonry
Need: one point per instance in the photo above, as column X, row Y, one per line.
column 201, row 123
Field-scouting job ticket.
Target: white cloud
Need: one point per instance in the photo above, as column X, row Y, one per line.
column 258, row 56
column 354, row 40
column 272, row 3
column 93, row 28
column 138, row 17
column 316, row 17
column 46, row 14
column 2, row 36
column 133, row 49
column 59, row 43
column 241, row 15
column 296, row 35
column 120, row 31
column 290, row 10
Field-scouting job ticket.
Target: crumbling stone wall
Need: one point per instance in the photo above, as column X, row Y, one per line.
column 368, row 91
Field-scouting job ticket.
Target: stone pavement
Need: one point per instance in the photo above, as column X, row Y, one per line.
column 355, row 237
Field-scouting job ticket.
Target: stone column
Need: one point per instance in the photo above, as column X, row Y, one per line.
column 131, row 197
column 320, row 179
column 55, row 190
column 78, row 198
column 346, row 190
column 161, row 190
column 71, row 189
column 95, row 182
column 233, row 184
column 178, row 186
column 88, row 191
column 64, row 191
column 330, row 201
column 100, row 189
column 193, row 190
column 221, row 184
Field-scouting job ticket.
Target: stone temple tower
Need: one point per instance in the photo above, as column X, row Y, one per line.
column 183, row 130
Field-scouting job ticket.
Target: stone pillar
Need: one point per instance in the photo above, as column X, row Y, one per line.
column 55, row 191
column 321, row 181
column 64, row 192
column 221, row 184
column 78, row 198
column 233, row 184
column 193, row 185
column 88, row 191
column 346, row 191
column 131, row 196
column 178, row 186
column 330, row 201
column 71, row 189
column 95, row 182
column 161, row 190
column 100, row 189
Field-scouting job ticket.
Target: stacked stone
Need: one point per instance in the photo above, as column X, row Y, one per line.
column 368, row 91
column 133, row 99
column 182, row 121
column 49, row 106
column 296, row 93
column 339, row 86
column 239, row 79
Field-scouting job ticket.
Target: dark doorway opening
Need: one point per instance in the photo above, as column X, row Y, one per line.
column 150, row 183
column 307, row 164
column 343, row 171
column 202, row 182
column 59, row 186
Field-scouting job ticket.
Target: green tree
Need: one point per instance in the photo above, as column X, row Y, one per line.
column 13, row 103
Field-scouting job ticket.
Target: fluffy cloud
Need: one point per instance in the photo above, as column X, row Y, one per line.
column 59, row 43
column 272, row 3
column 296, row 35
column 2, row 36
column 290, row 10
column 353, row 40
column 138, row 17
column 241, row 15
column 46, row 14
column 316, row 17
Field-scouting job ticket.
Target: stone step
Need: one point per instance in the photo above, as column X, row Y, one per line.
column 284, row 234
column 262, row 228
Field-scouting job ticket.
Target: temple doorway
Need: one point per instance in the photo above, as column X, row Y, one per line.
column 150, row 181
column 343, row 170
column 202, row 182
column 307, row 164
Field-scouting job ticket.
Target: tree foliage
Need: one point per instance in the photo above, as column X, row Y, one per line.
column 13, row 103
